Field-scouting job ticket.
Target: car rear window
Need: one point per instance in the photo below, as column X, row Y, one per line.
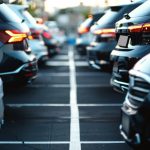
column 87, row 23
column 142, row 10
column 108, row 17
column 28, row 17
column 116, row 13
column 7, row 15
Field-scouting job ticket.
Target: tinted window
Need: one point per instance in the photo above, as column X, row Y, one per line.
column 28, row 17
column 142, row 10
column 116, row 13
column 108, row 17
column 7, row 15
column 87, row 22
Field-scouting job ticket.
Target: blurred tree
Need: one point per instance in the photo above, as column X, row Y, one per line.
column 32, row 9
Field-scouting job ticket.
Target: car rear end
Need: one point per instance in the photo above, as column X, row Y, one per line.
column 105, row 37
column 35, row 39
column 132, row 34
column 18, row 64
column 84, row 36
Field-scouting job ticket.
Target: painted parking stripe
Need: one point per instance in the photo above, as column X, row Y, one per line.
column 57, row 63
column 49, row 85
column 68, row 86
column 63, row 105
column 65, row 74
column 47, row 142
column 100, row 105
column 81, row 64
column 74, row 126
column 102, row 142
column 57, row 142
column 65, row 63
column 93, row 85
column 61, row 57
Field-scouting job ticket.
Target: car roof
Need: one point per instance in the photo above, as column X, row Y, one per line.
column 18, row 6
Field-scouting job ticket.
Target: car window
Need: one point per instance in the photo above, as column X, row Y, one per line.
column 7, row 15
column 28, row 17
column 108, row 17
column 142, row 10
column 87, row 22
column 116, row 13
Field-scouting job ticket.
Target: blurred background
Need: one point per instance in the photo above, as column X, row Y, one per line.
column 68, row 14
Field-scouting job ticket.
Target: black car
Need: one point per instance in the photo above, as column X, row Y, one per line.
column 132, row 33
column 84, row 36
column 104, row 42
column 18, row 64
column 135, row 118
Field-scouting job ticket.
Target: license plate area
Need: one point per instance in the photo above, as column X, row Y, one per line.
column 123, row 41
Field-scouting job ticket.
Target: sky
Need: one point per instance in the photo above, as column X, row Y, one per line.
column 53, row 4
column 70, row 3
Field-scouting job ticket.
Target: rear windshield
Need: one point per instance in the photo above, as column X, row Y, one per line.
column 28, row 17
column 108, row 17
column 7, row 15
column 142, row 10
column 87, row 23
column 116, row 13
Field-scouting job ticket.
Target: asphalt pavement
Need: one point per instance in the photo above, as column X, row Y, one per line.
column 68, row 106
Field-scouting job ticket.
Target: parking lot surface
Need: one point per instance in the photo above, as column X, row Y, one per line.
column 69, row 106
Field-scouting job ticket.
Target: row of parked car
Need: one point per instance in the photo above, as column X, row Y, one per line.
column 121, row 45
column 24, row 45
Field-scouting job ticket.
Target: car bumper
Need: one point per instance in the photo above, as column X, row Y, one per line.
column 134, row 128
column 26, row 72
column 123, row 59
column 98, row 55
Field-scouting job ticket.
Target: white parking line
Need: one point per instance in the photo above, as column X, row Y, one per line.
column 57, row 142
column 61, row 57
column 81, row 64
column 100, row 105
column 37, row 105
column 68, row 85
column 102, row 142
column 65, row 63
column 65, row 74
column 47, row 142
column 93, row 85
column 74, row 126
column 63, row 105
column 57, row 63
column 49, row 85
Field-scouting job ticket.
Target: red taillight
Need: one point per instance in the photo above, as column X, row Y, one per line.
column 47, row 35
column 135, row 28
column 82, row 30
column 140, row 28
column 146, row 27
column 11, row 36
column 35, row 34
column 105, row 32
